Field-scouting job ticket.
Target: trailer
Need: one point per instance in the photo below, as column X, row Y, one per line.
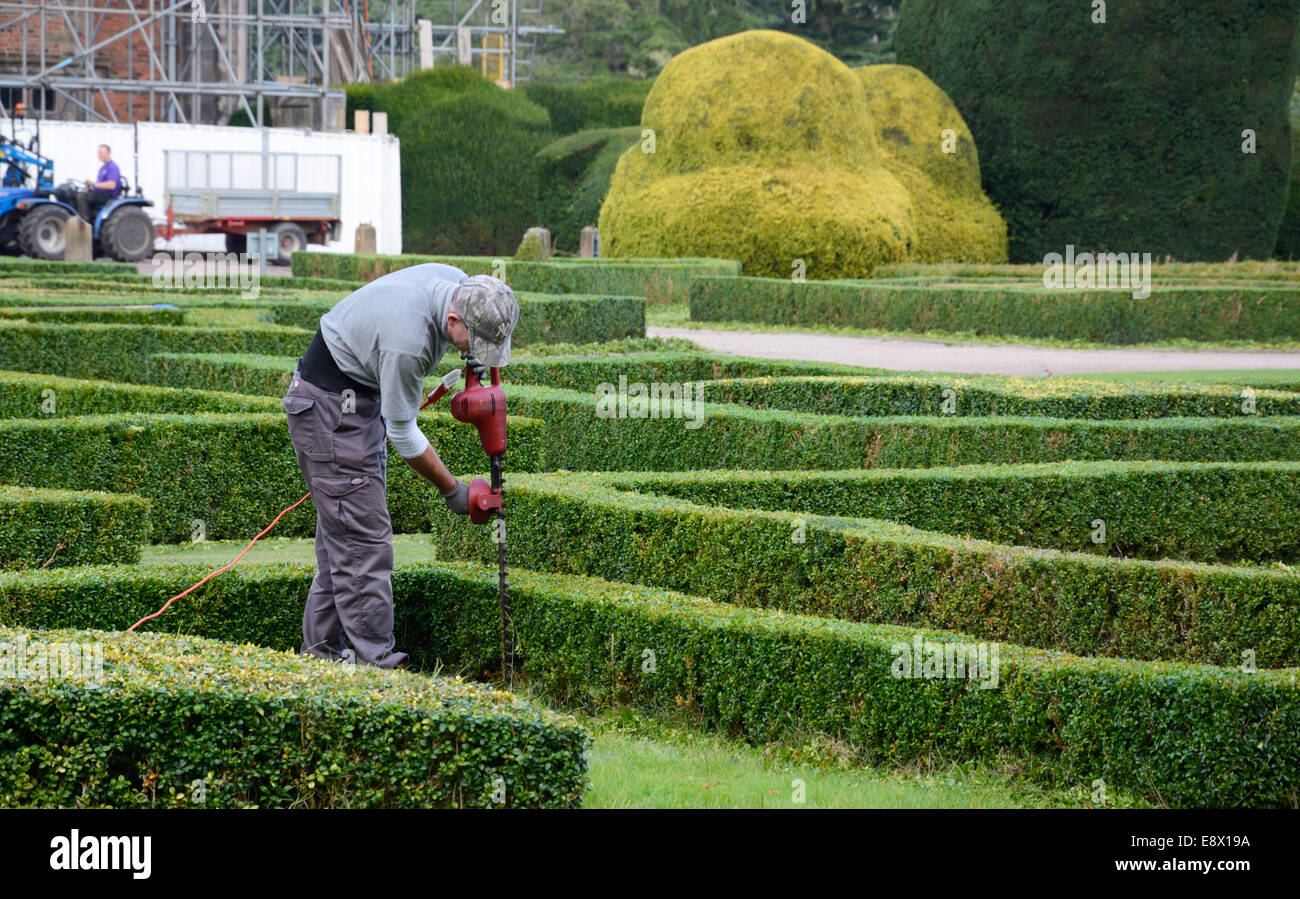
column 296, row 196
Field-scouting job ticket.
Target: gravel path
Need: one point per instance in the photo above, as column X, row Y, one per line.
column 904, row 354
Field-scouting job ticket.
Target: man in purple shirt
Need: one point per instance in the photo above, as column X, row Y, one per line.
column 104, row 188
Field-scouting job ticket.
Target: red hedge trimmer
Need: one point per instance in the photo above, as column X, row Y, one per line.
column 483, row 406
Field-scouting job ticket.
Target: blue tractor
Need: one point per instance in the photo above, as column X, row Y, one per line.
column 34, row 213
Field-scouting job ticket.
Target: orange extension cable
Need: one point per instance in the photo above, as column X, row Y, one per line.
column 448, row 380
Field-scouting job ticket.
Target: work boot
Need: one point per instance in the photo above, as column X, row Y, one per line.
column 83, row 205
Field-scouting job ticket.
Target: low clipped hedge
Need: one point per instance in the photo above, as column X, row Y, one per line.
column 542, row 318
column 156, row 732
column 119, row 352
column 658, row 280
column 1142, row 726
column 233, row 472
column 992, row 395
column 739, row 437
column 869, row 570
column 1106, row 316
column 21, row 265
column 23, row 395
column 269, row 375
column 1217, row 512
column 62, row 315
column 44, row 528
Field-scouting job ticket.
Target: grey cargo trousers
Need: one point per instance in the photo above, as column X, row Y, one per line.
column 339, row 441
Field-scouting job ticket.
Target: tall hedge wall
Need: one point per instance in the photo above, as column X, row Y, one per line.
column 469, row 178
column 1122, row 136
column 574, row 179
column 600, row 103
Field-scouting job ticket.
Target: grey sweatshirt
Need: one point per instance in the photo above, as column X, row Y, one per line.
column 390, row 335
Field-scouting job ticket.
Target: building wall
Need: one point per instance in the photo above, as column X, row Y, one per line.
column 371, row 173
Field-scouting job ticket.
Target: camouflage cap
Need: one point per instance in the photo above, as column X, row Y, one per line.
column 490, row 311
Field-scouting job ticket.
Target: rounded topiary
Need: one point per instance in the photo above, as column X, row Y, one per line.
column 1122, row 135
column 760, row 150
column 924, row 142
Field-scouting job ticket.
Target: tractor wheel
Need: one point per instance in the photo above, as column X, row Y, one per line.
column 43, row 232
column 292, row 239
column 128, row 234
column 236, row 243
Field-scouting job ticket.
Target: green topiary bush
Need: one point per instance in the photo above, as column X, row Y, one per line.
column 156, row 730
column 469, row 173
column 915, row 125
column 1122, row 136
column 763, row 152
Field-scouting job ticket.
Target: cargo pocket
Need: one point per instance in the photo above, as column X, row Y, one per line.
column 308, row 428
column 351, row 501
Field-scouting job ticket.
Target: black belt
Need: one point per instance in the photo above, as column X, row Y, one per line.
column 319, row 367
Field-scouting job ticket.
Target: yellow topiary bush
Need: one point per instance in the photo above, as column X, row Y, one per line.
column 763, row 148
column 762, row 153
column 955, row 221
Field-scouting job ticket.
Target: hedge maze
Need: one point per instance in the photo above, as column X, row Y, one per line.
column 1079, row 580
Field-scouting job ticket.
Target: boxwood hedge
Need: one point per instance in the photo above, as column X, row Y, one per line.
column 252, row 374
column 739, row 437
column 23, row 395
column 1203, row 512
column 870, row 570
column 992, row 395
column 44, row 528
column 1205, row 313
column 233, row 472
column 119, row 352
column 1184, row 735
column 658, row 280
column 178, row 721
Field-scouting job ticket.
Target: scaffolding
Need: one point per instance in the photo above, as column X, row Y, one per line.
column 507, row 33
column 199, row 61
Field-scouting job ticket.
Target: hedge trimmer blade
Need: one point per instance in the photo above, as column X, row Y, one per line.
column 503, row 599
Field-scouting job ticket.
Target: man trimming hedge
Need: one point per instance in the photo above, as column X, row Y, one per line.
column 362, row 378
